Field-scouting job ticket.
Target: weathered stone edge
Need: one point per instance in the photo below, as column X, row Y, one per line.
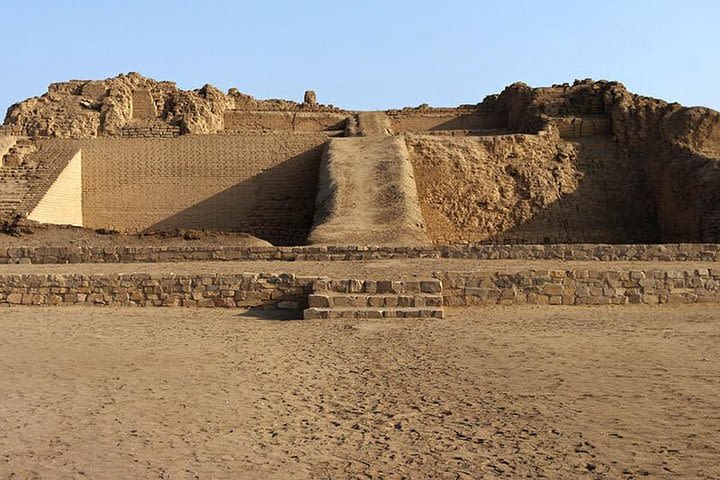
column 706, row 252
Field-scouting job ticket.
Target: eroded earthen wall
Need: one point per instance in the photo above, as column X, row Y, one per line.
column 262, row 184
column 530, row 189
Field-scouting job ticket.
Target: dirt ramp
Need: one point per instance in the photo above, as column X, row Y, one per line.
column 373, row 124
column 367, row 195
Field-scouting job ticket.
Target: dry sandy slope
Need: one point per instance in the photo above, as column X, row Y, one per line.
column 367, row 195
column 511, row 392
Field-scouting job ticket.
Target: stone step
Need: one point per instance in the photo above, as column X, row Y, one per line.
column 371, row 312
column 346, row 300
column 328, row 286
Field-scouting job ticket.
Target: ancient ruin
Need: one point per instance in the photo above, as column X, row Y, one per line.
column 498, row 290
column 586, row 163
column 582, row 163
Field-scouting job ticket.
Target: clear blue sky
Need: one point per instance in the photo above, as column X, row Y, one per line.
column 371, row 54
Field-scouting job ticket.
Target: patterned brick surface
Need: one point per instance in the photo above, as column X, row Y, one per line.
column 262, row 184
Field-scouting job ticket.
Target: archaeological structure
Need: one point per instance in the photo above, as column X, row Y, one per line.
column 581, row 163
column 587, row 163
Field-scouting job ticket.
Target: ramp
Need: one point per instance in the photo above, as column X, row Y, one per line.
column 367, row 194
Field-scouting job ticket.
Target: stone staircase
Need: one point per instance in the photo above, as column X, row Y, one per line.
column 421, row 298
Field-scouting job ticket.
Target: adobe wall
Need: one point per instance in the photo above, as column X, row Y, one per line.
column 524, row 188
column 415, row 121
column 62, row 202
column 150, row 130
column 675, row 148
column 262, row 184
column 36, row 166
column 572, row 127
column 6, row 143
column 10, row 130
column 290, row 121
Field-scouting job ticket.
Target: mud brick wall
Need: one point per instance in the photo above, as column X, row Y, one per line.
column 241, row 290
column 581, row 287
column 155, row 130
column 586, row 126
column 143, row 106
column 242, row 121
column 530, row 189
column 421, row 122
column 606, row 253
column 52, row 158
column 62, row 201
column 263, row 184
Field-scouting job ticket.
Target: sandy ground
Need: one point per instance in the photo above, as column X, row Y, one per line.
column 510, row 392
column 415, row 267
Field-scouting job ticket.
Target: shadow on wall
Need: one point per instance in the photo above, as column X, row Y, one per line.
column 611, row 204
column 487, row 190
column 472, row 121
column 438, row 123
column 687, row 196
column 277, row 205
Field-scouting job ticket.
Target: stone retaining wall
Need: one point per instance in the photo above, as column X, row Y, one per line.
column 240, row 290
column 709, row 252
column 581, row 287
column 287, row 291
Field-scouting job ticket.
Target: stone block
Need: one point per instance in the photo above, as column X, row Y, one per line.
column 635, row 298
column 374, row 313
column 384, row 286
column 391, row 301
column 15, row 298
column 321, row 301
column 553, row 289
column 312, row 314
column 637, row 275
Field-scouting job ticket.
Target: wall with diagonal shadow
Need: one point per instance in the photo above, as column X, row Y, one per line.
column 263, row 184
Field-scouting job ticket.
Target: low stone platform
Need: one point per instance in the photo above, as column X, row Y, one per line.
column 464, row 283
column 670, row 252
column 375, row 299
